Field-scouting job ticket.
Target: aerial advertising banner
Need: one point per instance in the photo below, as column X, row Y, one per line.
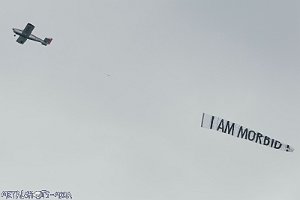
column 231, row 128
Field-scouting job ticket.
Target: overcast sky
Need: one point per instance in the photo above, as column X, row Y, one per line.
column 112, row 108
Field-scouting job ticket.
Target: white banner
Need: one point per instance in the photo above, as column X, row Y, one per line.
column 230, row 128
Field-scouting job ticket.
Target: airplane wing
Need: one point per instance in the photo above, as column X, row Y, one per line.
column 26, row 33
column 21, row 40
column 28, row 29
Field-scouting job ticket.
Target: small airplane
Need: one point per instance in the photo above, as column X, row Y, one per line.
column 26, row 34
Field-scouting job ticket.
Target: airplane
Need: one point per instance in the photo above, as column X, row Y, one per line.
column 26, row 34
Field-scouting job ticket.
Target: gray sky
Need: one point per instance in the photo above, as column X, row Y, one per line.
column 67, row 126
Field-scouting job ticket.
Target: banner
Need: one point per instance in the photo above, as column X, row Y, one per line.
column 230, row 128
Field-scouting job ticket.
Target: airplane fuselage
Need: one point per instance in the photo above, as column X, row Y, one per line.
column 26, row 34
column 30, row 36
column 18, row 31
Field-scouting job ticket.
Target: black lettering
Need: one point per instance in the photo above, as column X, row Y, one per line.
column 253, row 135
column 277, row 145
column 221, row 125
column 243, row 133
column 272, row 142
column 212, row 122
column 258, row 137
column 266, row 140
column 229, row 129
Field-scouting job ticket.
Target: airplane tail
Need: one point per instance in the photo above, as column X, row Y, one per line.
column 47, row 41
